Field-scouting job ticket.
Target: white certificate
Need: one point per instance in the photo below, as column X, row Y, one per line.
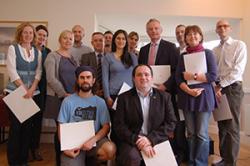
column 164, row 156
column 21, row 107
column 73, row 135
column 195, row 63
column 125, row 87
column 223, row 111
column 161, row 73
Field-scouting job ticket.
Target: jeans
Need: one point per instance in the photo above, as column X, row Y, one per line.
column 198, row 138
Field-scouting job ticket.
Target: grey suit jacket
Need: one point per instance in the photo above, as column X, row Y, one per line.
column 89, row 59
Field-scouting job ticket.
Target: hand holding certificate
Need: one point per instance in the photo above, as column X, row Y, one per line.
column 163, row 156
column 74, row 135
column 22, row 108
column 195, row 63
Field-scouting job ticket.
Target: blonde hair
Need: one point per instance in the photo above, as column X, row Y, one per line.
column 19, row 31
column 63, row 33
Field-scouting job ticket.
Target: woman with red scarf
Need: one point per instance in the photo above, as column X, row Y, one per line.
column 197, row 100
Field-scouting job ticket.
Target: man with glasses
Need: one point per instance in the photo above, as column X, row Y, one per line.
column 231, row 57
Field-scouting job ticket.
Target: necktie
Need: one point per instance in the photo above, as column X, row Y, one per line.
column 152, row 54
column 99, row 71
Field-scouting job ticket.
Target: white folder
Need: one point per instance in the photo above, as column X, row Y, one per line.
column 73, row 135
column 195, row 63
column 223, row 111
column 164, row 156
column 21, row 107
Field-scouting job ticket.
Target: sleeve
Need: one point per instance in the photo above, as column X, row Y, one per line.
column 104, row 113
column 11, row 64
column 179, row 70
column 168, row 125
column 211, row 74
column 64, row 115
column 120, row 127
column 53, row 82
column 174, row 53
column 105, row 76
column 239, row 63
column 135, row 60
column 39, row 66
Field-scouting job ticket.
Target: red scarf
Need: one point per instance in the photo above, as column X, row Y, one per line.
column 197, row 48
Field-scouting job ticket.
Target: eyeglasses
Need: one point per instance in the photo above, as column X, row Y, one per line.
column 223, row 26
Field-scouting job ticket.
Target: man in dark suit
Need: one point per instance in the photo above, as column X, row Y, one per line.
column 162, row 52
column 95, row 59
column 143, row 118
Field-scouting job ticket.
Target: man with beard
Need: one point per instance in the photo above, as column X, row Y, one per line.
column 84, row 105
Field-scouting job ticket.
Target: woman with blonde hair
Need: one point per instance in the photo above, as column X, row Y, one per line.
column 24, row 68
column 60, row 68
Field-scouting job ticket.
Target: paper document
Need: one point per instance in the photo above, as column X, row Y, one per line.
column 161, row 73
column 21, row 107
column 164, row 156
column 223, row 111
column 195, row 63
column 181, row 115
column 125, row 87
column 73, row 135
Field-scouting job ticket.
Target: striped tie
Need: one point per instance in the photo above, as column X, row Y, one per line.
column 99, row 71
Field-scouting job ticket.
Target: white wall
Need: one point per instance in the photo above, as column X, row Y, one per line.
column 63, row 14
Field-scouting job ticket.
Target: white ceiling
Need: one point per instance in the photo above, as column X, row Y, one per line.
column 137, row 23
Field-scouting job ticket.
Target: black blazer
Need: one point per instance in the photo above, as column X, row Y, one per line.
column 129, row 118
column 167, row 54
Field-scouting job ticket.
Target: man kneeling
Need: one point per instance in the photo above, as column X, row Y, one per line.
column 94, row 108
column 143, row 119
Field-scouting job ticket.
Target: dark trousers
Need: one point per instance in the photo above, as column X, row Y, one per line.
column 36, row 126
column 112, row 112
column 179, row 143
column 129, row 156
column 229, row 130
column 18, row 141
column 57, row 146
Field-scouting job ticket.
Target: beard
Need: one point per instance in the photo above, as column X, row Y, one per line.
column 85, row 87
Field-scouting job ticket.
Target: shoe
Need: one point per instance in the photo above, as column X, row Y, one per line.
column 220, row 163
column 36, row 155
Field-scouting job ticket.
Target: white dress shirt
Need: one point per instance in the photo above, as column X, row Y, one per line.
column 145, row 103
column 231, row 59
column 11, row 62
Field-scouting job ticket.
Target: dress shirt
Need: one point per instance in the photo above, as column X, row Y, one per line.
column 145, row 103
column 231, row 60
column 156, row 48
column 11, row 62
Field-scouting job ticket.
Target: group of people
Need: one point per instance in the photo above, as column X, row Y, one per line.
column 77, row 83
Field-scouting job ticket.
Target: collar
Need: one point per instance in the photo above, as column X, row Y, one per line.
column 229, row 41
column 157, row 42
column 150, row 93
column 97, row 53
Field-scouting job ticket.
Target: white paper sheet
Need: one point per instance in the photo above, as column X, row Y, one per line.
column 164, row 156
column 73, row 135
column 223, row 111
column 161, row 73
column 125, row 87
column 22, row 108
column 181, row 115
column 195, row 63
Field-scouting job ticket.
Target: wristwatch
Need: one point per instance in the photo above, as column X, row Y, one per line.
column 195, row 76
